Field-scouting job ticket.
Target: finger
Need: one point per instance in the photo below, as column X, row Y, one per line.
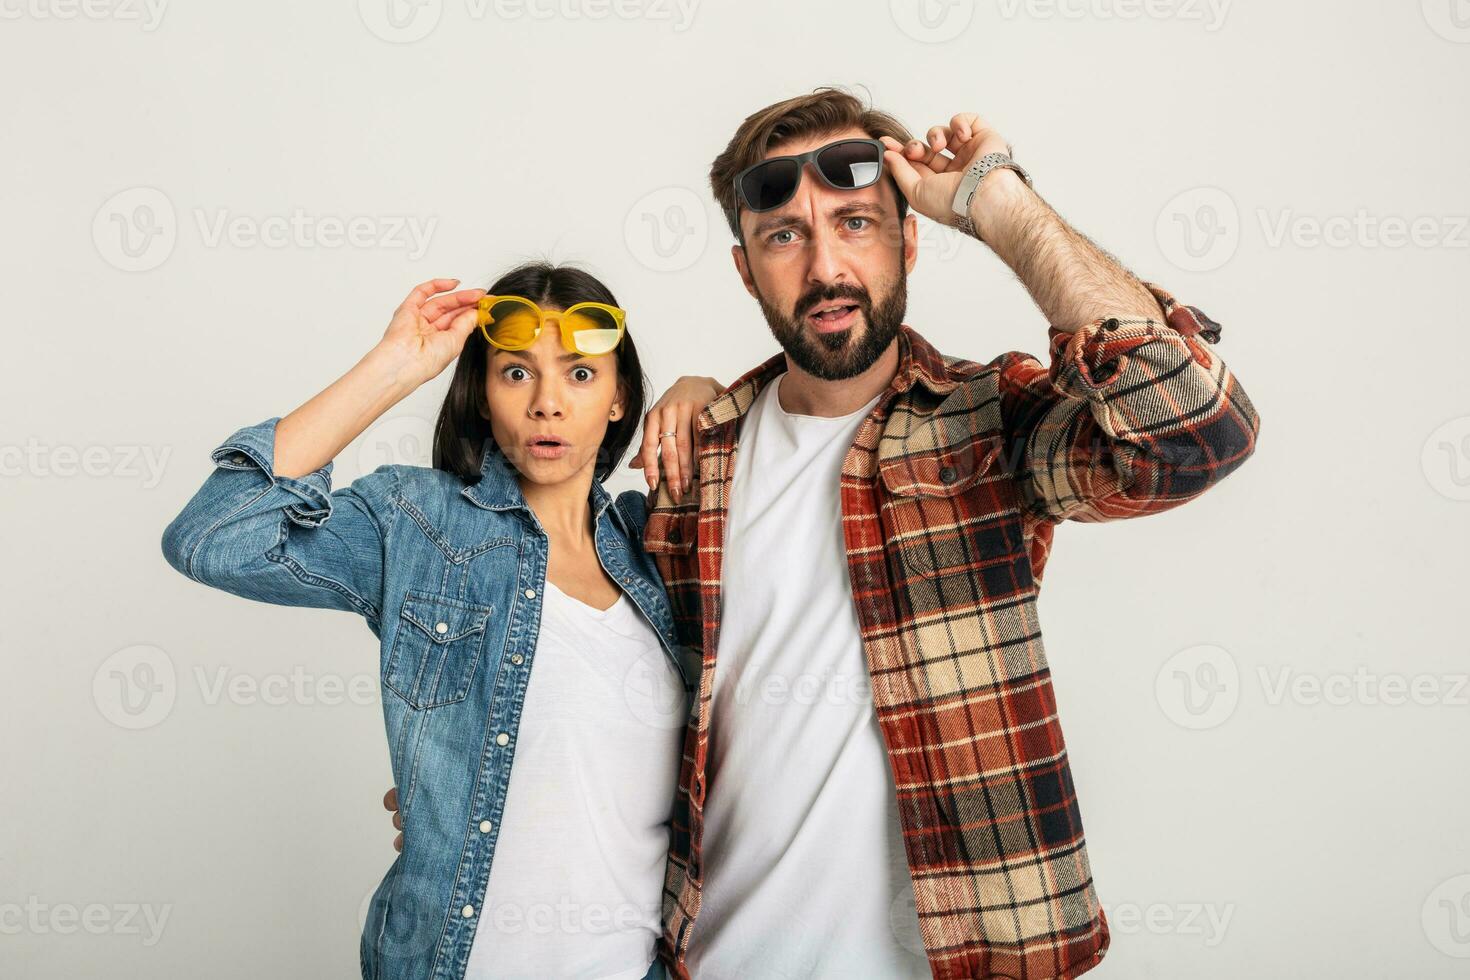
column 904, row 173
column 448, row 302
column 397, row 820
column 390, row 799
column 424, row 290
column 945, row 147
column 938, row 139
column 684, row 441
column 669, row 452
column 648, row 452
column 964, row 125
column 445, row 319
column 458, row 322
column 398, row 843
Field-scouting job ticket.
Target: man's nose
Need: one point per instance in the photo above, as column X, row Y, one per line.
column 825, row 261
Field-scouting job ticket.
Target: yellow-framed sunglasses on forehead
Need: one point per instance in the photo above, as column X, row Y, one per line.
column 514, row 323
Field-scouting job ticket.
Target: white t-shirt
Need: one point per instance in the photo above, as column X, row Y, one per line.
column 576, row 883
column 805, row 874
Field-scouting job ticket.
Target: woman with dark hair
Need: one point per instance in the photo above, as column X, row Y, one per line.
column 507, row 552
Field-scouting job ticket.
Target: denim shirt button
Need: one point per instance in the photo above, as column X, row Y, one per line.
column 502, row 739
column 485, row 826
column 530, row 593
column 441, row 628
column 516, row 659
column 468, row 911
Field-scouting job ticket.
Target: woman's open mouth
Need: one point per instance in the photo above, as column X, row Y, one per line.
column 547, row 447
column 833, row 317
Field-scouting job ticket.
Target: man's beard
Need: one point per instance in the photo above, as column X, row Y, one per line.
column 836, row 356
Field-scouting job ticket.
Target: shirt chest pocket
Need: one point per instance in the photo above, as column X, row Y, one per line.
column 436, row 649
column 951, row 512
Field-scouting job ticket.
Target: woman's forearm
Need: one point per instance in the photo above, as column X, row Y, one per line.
column 313, row 435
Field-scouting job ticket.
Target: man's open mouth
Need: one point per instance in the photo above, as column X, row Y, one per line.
column 831, row 317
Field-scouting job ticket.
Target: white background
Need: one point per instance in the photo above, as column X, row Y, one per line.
column 1236, row 828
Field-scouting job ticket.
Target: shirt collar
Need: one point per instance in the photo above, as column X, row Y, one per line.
column 918, row 363
column 499, row 486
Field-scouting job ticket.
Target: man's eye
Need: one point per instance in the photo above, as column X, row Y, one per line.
column 776, row 238
column 861, row 223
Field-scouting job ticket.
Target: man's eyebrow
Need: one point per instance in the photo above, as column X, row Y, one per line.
column 857, row 208
column 848, row 210
column 778, row 222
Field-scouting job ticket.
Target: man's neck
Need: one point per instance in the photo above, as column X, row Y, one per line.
column 801, row 393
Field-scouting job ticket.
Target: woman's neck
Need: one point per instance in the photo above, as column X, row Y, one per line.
column 562, row 508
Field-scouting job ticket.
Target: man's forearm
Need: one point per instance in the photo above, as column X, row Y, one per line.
column 1072, row 280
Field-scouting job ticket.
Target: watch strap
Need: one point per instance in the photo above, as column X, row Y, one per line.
column 970, row 182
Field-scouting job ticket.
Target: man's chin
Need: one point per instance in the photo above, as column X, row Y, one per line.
column 835, row 340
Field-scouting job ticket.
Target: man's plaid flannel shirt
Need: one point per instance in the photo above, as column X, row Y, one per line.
column 950, row 495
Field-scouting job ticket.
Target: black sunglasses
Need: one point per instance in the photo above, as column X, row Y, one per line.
column 844, row 165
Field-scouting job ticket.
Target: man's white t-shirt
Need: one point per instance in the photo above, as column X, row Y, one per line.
column 805, row 874
column 576, row 883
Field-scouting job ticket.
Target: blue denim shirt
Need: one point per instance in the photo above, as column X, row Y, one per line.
column 449, row 577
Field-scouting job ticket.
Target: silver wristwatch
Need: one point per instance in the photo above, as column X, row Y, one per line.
column 975, row 173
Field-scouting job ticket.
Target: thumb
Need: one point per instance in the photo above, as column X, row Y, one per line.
column 464, row 324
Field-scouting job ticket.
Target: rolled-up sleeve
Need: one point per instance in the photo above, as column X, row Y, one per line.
column 290, row 541
column 1131, row 417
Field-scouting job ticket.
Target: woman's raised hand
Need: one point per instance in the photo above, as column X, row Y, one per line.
column 429, row 328
column 674, row 413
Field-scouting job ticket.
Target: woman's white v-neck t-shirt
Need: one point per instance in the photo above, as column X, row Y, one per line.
column 576, row 882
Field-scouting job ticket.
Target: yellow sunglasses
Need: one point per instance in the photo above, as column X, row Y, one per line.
column 514, row 323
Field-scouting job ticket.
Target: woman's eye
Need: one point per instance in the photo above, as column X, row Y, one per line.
column 510, row 372
column 583, row 373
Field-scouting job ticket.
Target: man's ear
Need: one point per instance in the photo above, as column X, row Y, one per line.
column 910, row 241
column 742, row 266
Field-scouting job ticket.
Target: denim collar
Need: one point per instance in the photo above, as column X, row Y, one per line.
column 499, row 486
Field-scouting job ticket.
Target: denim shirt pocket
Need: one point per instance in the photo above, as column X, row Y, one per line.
column 436, row 648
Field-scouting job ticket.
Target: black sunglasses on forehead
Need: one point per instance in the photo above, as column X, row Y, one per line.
column 845, row 165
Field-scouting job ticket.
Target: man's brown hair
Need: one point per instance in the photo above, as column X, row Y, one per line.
column 825, row 110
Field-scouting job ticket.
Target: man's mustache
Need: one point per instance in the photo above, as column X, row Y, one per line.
column 828, row 294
